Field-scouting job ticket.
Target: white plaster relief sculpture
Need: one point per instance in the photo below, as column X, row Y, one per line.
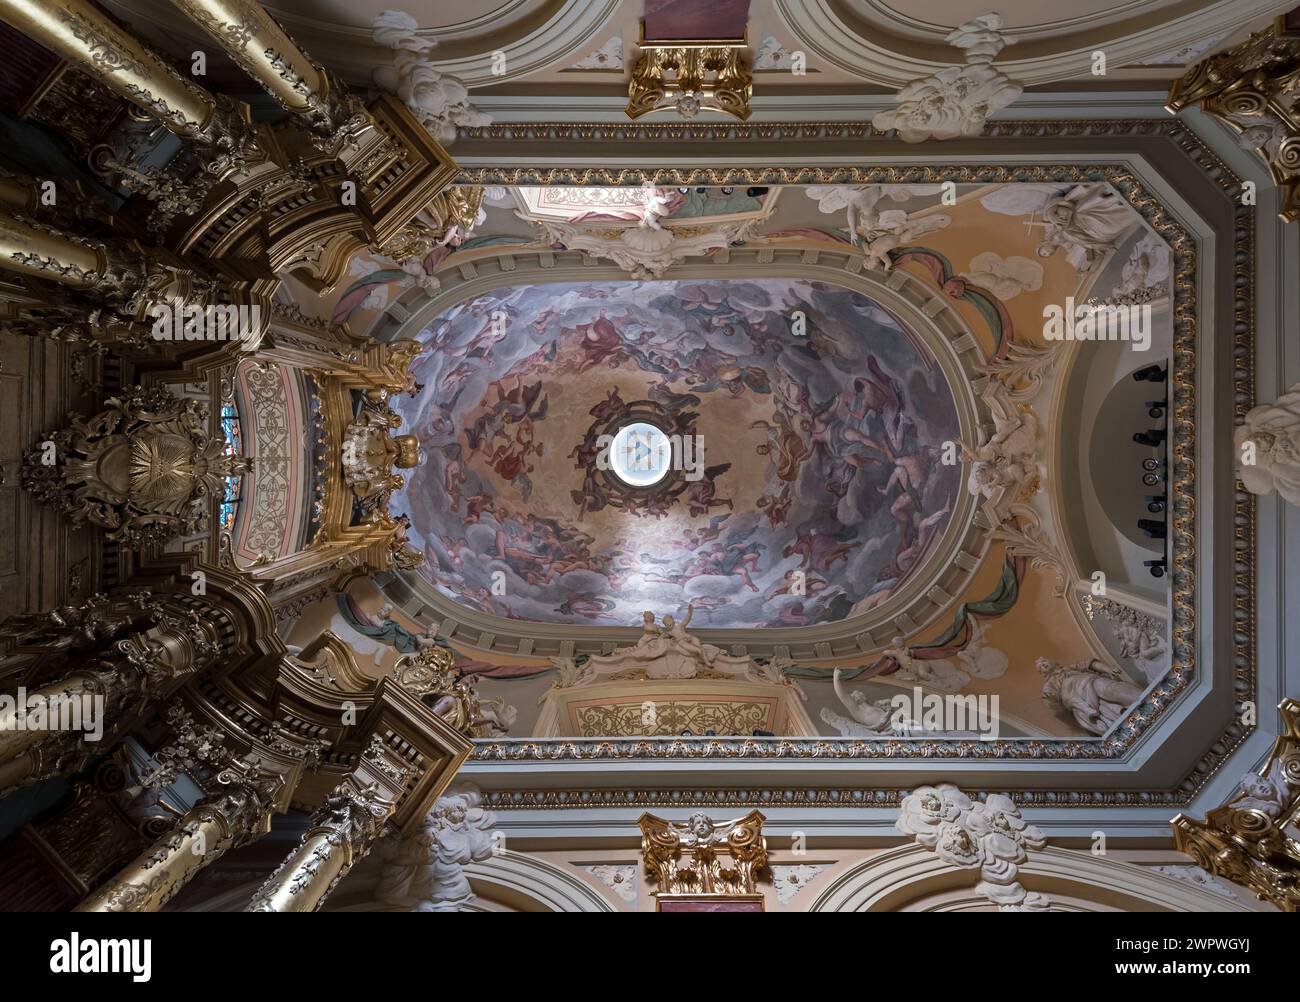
column 1141, row 636
column 1094, row 694
column 1086, row 221
column 955, row 101
column 878, row 231
column 932, row 674
column 978, row 659
column 1267, row 794
column 646, row 250
column 1005, row 466
column 1024, row 369
column 1147, row 267
column 1201, row 878
column 668, row 651
column 1263, row 133
column 772, row 55
column 1023, row 532
column 1268, row 447
column 989, row 835
column 608, row 57
column 439, row 101
column 791, row 878
column 867, row 718
column 618, row 877
column 425, row 872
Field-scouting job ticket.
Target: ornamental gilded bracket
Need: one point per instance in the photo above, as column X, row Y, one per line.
column 691, row 76
column 1253, row 89
column 1251, row 840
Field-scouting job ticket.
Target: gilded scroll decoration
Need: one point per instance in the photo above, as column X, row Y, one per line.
column 1251, row 840
column 703, row 856
column 1253, row 88
column 146, row 468
column 690, row 78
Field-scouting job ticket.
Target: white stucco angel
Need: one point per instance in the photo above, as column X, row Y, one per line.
column 656, row 205
column 1008, row 460
column 1094, row 694
column 867, row 717
column 425, row 872
column 1268, row 447
column 1267, row 794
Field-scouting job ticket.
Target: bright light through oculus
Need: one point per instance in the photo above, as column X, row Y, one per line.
column 640, row 454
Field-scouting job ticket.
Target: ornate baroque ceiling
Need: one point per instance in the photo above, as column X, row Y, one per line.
column 818, row 452
column 649, row 452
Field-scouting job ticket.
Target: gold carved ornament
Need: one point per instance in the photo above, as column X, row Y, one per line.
column 701, row 856
column 690, row 76
column 1252, row 839
column 1254, row 88
column 431, row 675
column 145, row 468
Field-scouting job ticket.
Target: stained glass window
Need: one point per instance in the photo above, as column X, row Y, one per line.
column 234, row 437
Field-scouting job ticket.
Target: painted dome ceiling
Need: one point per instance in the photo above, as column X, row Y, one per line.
column 804, row 422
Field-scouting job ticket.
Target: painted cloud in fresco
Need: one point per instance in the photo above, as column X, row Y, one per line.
column 823, row 451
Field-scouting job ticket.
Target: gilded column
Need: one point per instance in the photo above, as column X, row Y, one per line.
column 51, row 722
column 354, row 816
column 134, row 282
column 262, row 49
column 80, row 33
column 18, row 191
column 45, row 252
column 238, row 813
column 56, row 729
column 342, row 833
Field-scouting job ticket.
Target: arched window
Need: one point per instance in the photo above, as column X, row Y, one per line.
column 234, row 436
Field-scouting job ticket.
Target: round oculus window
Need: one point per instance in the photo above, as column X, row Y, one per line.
column 640, row 455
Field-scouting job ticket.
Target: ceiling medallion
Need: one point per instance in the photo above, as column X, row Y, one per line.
column 690, row 76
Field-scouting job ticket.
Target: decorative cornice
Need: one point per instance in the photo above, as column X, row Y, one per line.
column 646, row 795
